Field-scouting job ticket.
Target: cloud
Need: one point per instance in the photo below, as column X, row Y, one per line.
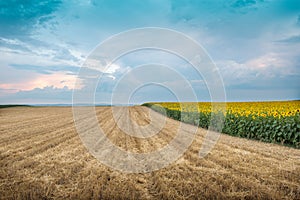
column 43, row 50
column 19, row 18
column 243, row 3
column 58, row 80
column 47, row 69
column 113, row 68
column 271, row 65
column 268, row 77
column 292, row 39
column 279, row 83
column 48, row 94
column 43, row 43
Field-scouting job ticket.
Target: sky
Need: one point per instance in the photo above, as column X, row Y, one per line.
column 254, row 43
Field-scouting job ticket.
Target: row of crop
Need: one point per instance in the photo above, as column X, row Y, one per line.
column 284, row 130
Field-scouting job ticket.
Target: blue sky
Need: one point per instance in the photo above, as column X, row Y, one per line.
column 254, row 43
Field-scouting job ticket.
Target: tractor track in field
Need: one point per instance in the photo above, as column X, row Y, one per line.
column 42, row 156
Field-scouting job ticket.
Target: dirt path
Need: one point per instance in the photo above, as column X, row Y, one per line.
column 42, row 156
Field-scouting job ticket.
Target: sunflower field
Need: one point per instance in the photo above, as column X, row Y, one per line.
column 276, row 121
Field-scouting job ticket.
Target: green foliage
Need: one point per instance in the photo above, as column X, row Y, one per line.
column 284, row 130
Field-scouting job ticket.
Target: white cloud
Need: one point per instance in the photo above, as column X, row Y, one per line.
column 269, row 65
column 11, row 41
column 57, row 80
column 112, row 68
column 267, row 61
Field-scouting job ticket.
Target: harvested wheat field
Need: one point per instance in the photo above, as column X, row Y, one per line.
column 42, row 157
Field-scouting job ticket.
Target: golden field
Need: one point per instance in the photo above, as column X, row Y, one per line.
column 42, row 157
